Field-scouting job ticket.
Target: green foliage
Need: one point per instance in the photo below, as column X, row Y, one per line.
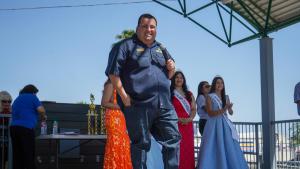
column 127, row 33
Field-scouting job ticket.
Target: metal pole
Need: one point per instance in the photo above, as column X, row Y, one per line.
column 10, row 154
column 257, row 147
column 267, row 102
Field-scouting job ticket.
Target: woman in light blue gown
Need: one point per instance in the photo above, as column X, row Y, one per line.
column 154, row 156
column 220, row 148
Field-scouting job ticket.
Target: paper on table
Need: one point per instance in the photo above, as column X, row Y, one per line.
column 69, row 133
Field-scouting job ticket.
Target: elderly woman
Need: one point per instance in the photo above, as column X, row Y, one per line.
column 5, row 108
column 25, row 111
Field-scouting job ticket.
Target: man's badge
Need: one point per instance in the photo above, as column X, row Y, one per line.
column 158, row 50
column 140, row 50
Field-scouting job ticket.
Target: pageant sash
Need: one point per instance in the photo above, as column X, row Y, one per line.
column 185, row 104
column 234, row 133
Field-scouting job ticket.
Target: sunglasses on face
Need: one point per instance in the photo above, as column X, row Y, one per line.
column 6, row 101
column 207, row 86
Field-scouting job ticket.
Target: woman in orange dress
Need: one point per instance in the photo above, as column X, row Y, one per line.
column 117, row 149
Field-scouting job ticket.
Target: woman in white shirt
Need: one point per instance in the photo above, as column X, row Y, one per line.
column 203, row 90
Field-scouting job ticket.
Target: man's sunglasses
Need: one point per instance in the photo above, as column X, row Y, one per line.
column 6, row 101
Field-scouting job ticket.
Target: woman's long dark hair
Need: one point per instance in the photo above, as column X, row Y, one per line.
column 184, row 86
column 105, row 83
column 29, row 89
column 213, row 89
column 200, row 87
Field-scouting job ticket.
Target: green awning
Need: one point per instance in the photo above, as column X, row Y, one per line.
column 267, row 15
column 260, row 17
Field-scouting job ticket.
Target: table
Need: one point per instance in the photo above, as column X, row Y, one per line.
column 58, row 137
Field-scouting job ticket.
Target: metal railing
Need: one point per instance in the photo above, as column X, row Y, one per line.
column 287, row 139
column 251, row 142
column 287, row 143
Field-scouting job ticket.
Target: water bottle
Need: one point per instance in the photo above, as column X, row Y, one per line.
column 55, row 128
column 43, row 128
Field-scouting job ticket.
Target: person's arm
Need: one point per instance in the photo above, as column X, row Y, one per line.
column 42, row 112
column 171, row 68
column 182, row 120
column 117, row 84
column 212, row 113
column 39, row 107
column 201, row 102
column 193, row 109
column 107, row 95
column 193, row 112
column 229, row 105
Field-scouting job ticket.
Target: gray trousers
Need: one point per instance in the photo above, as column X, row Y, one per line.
column 162, row 123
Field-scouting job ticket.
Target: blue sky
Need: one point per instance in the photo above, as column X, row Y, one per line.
column 64, row 53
